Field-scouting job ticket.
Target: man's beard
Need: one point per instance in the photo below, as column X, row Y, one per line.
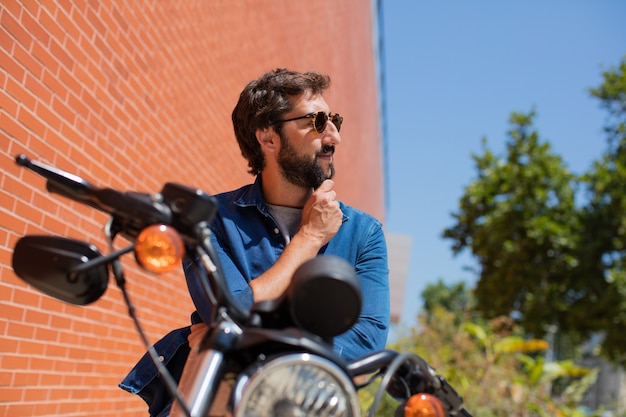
column 302, row 170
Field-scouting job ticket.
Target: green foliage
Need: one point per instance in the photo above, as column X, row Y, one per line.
column 497, row 370
column 455, row 298
column 542, row 256
column 387, row 406
column 518, row 219
column 603, row 276
column 612, row 96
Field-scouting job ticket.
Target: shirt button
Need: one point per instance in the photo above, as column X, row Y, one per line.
column 276, row 231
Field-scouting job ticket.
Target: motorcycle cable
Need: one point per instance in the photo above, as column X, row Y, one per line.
column 393, row 367
column 200, row 267
column 120, row 280
column 437, row 386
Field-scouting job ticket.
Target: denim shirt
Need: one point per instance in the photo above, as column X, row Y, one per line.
column 248, row 242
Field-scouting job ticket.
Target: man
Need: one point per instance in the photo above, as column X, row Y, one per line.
column 264, row 231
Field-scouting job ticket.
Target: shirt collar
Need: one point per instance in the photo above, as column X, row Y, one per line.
column 253, row 196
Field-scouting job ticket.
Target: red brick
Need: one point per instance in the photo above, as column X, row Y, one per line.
column 39, row 90
column 5, row 255
column 34, row 27
column 43, row 364
column 118, row 88
column 63, row 394
column 20, row 93
column 17, row 361
column 35, row 394
column 57, row 50
column 66, row 5
column 32, row 6
column 7, row 201
column 26, row 296
column 30, row 121
column 66, row 114
column 7, row 379
column 70, row 82
column 8, row 345
column 10, row 65
column 15, row 28
column 63, row 18
column 60, row 322
column 78, row 106
column 11, row 312
column 83, row 77
column 17, row 188
column 26, row 379
column 37, row 318
column 14, row 8
column 57, row 32
column 32, row 347
column 11, row 394
column 28, row 212
column 51, row 120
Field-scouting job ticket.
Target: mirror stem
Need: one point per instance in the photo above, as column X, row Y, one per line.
column 104, row 259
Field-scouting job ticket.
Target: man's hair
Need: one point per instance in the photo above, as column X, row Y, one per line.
column 262, row 103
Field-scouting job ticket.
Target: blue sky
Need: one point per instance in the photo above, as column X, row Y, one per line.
column 454, row 71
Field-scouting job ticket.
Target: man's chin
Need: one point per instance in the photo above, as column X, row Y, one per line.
column 330, row 173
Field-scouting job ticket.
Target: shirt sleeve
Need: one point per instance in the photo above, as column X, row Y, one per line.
column 237, row 284
column 371, row 330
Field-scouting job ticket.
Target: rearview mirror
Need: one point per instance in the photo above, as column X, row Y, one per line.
column 46, row 263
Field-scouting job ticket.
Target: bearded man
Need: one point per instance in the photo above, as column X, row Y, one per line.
column 264, row 231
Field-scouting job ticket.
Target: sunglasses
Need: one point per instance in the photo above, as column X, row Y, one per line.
column 319, row 120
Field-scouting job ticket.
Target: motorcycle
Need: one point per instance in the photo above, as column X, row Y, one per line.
column 275, row 358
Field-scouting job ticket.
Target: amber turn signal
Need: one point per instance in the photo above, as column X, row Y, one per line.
column 423, row 405
column 159, row 248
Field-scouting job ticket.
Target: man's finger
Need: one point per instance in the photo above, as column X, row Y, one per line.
column 327, row 185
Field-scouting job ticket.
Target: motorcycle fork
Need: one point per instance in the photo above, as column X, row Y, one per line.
column 200, row 381
column 205, row 369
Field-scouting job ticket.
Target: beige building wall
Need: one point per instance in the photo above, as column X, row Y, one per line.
column 399, row 248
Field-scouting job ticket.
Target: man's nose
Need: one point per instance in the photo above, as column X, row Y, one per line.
column 331, row 135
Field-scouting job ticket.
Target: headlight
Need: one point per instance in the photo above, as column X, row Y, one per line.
column 296, row 385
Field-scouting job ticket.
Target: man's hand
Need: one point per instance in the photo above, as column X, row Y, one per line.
column 321, row 216
column 321, row 219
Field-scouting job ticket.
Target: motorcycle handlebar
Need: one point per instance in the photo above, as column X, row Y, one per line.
column 132, row 210
column 415, row 373
column 181, row 207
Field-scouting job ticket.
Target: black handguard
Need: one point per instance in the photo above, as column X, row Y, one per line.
column 417, row 376
column 451, row 400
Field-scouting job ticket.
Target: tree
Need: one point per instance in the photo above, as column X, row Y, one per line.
column 540, row 255
column 454, row 298
column 602, row 275
column 518, row 218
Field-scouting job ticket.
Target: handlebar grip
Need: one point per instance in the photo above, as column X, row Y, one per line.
column 132, row 211
column 69, row 185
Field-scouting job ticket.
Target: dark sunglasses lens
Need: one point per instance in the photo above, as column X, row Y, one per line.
column 336, row 119
column 321, row 119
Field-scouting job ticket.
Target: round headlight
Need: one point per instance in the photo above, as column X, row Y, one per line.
column 296, row 385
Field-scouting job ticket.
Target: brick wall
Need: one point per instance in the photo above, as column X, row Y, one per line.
column 131, row 94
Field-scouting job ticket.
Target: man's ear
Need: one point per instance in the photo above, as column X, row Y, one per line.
column 267, row 138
